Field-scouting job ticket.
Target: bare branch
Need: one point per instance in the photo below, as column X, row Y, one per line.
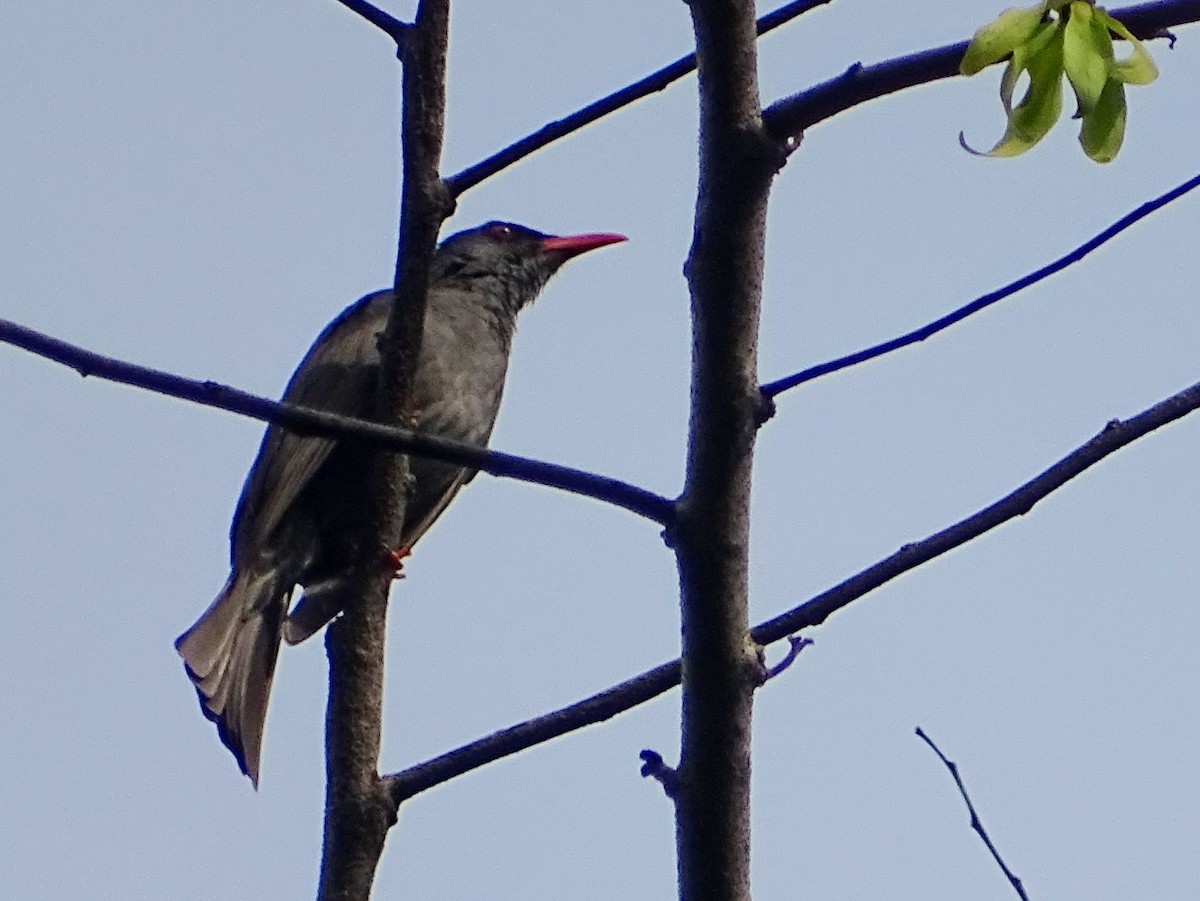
column 393, row 27
column 652, row 683
column 774, row 389
column 318, row 422
column 652, row 83
column 1114, row 436
column 358, row 810
column 711, row 537
column 789, row 117
column 976, row 823
column 596, row 709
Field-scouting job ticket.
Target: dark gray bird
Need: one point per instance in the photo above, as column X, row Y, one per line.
column 301, row 505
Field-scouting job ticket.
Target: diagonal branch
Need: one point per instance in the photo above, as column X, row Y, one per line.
column 389, row 24
column 791, row 116
column 652, row 683
column 1114, row 436
column 777, row 387
column 652, row 83
column 317, row 422
column 595, row 709
column 976, row 822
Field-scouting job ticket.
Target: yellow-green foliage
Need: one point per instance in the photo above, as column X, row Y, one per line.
column 1046, row 42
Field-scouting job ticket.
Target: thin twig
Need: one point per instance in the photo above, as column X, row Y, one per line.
column 774, row 389
column 652, row 683
column 976, row 823
column 317, row 422
column 789, row 117
column 655, row 81
column 796, row 644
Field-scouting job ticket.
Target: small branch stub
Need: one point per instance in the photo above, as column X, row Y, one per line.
column 796, row 644
column 655, row 767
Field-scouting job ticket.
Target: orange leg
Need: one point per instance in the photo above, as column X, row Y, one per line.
column 395, row 560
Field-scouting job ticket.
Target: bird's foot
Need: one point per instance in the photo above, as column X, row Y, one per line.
column 394, row 560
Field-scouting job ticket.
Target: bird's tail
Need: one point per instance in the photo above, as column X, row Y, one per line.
column 230, row 656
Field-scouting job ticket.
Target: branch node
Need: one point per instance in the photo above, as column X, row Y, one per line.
column 387, row 801
column 655, row 767
column 668, row 533
column 796, row 644
column 443, row 200
column 766, row 409
column 791, row 143
column 215, row 390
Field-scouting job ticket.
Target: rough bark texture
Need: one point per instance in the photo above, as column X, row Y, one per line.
column 358, row 809
column 724, row 272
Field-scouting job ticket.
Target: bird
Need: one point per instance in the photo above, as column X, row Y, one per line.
column 300, row 509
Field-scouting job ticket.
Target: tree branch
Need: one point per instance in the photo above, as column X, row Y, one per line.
column 652, row 83
column 318, row 422
column 390, row 25
column 711, row 537
column 595, row 709
column 976, row 823
column 774, row 389
column 789, row 117
column 358, row 811
column 1114, row 436
column 661, row 679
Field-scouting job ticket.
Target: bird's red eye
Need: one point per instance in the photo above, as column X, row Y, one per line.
column 501, row 231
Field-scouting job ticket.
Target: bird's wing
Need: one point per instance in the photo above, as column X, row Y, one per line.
column 338, row 374
column 446, row 402
column 433, row 492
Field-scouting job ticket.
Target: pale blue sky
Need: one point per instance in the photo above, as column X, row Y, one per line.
column 200, row 187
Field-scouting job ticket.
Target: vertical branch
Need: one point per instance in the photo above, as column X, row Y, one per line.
column 724, row 271
column 358, row 811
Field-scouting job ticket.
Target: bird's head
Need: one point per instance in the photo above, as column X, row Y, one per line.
column 508, row 261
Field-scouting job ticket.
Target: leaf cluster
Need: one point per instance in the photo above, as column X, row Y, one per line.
column 1045, row 42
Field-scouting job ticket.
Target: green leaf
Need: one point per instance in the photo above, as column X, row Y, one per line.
column 1104, row 127
column 1021, row 59
column 1039, row 109
column 1139, row 68
column 999, row 38
column 1101, row 35
column 1045, row 42
column 1085, row 56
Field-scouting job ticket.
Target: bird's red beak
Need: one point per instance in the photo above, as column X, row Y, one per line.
column 573, row 245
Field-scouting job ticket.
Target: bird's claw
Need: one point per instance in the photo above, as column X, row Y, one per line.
column 394, row 560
